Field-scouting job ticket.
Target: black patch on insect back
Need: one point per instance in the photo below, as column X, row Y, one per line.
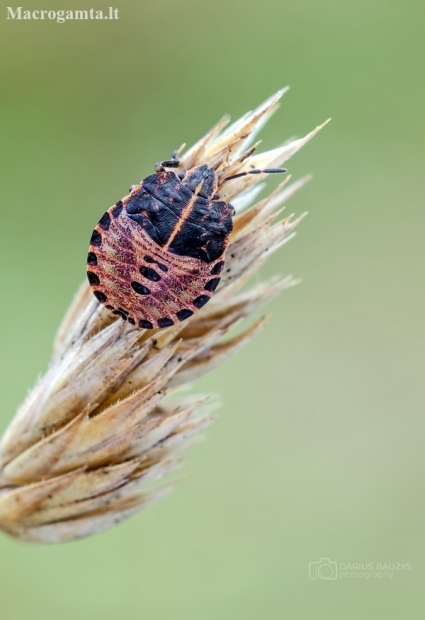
column 217, row 268
column 150, row 273
column 195, row 241
column 140, row 289
column 93, row 279
column 131, row 321
column 96, row 239
column 91, row 258
column 165, row 322
column 184, row 314
column 156, row 218
column 109, row 307
column 203, row 175
column 201, row 301
column 138, row 203
column 166, row 188
column 163, row 268
column 149, row 259
column 205, row 233
column 211, row 285
column 158, row 207
column 105, row 221
column 145, row 324
column 168, row 200
column 122, row 310
column 116, row 211
column 100, row 296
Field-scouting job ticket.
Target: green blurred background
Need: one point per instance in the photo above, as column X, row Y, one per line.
column 318, row 450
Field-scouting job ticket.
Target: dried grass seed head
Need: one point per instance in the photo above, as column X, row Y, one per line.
column 107, row 419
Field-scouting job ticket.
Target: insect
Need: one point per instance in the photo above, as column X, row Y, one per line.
column 156, row 256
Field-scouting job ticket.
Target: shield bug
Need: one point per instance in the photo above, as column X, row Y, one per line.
column 156, row 256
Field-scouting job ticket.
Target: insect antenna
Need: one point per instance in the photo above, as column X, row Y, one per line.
column 256, row 171
column 169, row 163
column 174, row 162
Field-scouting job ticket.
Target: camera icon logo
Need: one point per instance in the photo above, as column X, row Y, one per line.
column 325, row 569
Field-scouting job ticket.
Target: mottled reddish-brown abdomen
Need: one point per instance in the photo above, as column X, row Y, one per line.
column 156, row 256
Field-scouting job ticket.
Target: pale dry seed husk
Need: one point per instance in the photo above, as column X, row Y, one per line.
column 107, row 419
